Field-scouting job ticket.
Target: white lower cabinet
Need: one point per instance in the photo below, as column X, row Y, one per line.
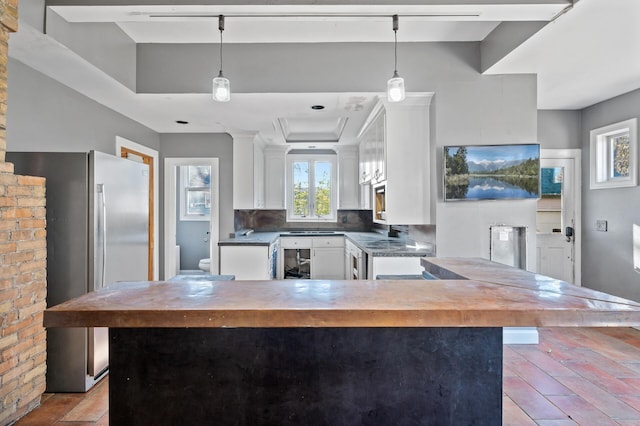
column 327, row 264
column 245, row 262
column 317, row 258
column 328, row 258
column 394, row 266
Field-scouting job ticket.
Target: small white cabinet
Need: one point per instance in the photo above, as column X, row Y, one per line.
column 245, row 262
column 383, row 265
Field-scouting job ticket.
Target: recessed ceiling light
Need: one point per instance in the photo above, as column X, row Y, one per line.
column 317, row 107
column 182, row 122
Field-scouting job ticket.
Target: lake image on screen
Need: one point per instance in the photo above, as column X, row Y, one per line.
column 492, row 172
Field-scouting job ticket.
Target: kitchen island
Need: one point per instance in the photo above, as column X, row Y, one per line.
column 325, row 352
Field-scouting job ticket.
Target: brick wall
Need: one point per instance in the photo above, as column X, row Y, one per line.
column 23, row 253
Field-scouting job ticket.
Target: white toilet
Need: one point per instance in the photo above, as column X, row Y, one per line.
column 205, row 264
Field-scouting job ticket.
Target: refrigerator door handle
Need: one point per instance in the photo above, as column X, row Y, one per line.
column 103, row 230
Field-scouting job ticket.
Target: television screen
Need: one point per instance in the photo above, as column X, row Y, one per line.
column 491, row 172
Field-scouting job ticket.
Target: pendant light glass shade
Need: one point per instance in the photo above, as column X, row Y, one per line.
column 395, row 85
column 221, row 87
column 395, row 88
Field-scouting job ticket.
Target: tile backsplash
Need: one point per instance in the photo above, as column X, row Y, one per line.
column 276, row 220
column 348, row 220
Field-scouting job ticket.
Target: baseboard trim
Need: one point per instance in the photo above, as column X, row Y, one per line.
column 520, row 336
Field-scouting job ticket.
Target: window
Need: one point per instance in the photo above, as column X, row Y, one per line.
column 613, row 155
column 311, row 187
column 195, row 192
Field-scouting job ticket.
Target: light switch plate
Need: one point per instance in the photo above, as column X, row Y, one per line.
column 601, row 225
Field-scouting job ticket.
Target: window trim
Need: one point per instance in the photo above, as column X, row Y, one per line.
column 601, row 167
column 331, row 158
column 184, row 216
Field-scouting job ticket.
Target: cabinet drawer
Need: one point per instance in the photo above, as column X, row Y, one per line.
column 295, row 243
column 328, row 242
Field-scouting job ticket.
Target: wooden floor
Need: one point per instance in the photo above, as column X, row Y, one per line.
column 581, row 376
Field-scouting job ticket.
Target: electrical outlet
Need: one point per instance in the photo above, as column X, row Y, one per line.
column 601, row 225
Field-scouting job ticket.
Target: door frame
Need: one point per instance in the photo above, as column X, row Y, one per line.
column 170, row 219
column 574, row 154
column 126, row 144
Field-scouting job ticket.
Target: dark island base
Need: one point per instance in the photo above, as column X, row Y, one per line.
column 306, row 376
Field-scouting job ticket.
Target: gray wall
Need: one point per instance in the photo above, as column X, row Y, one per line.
column 190, row 236
column 468, row 108
column 607, row 257
column 104, row 44
column 44, row 115
column 216, row 145
column 559, row 129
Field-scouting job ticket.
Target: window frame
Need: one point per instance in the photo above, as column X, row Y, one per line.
column 310, row 158
column 601, row 172
column 184, row 189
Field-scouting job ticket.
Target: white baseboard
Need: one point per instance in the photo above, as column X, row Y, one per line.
column 520, row 336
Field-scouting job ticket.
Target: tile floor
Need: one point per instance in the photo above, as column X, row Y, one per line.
column 583, row 376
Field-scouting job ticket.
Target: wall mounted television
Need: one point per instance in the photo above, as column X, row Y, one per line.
column 491, row 172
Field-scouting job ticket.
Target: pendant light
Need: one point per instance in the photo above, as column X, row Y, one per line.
column 221, row 88
column 395, row 85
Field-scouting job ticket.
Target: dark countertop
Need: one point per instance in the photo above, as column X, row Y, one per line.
column 372, row 243
column 500, row 297
column 253, row 239
column 378, row 245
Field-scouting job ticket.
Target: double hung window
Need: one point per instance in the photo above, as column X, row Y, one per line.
column 311, row 187
column 195, row 192
column 613, row 155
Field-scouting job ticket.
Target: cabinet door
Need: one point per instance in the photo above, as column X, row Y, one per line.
column 348, row 188
column 245, row 262
column 381, row 146
column 327, row 264
column 394, row 266
column 365, row 157
column 274, row 173
column 258, row 177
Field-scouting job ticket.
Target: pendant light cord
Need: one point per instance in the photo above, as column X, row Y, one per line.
column 395, row 44
column 221, row 28
column 395, row 49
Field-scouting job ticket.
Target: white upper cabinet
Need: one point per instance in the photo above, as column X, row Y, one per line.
column 372, row 147
column 247, row 171
column 258, row 175
column 401, row 158
column 348, row 188
column 274, row 176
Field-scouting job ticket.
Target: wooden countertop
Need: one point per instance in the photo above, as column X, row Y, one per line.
column 496, row 296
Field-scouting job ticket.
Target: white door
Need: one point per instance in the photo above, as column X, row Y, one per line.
column 171, row 167
column 557, row 217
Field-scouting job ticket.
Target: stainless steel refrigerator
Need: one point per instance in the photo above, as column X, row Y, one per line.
column 97, row 234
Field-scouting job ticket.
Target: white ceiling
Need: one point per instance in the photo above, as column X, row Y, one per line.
column 586, row 55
